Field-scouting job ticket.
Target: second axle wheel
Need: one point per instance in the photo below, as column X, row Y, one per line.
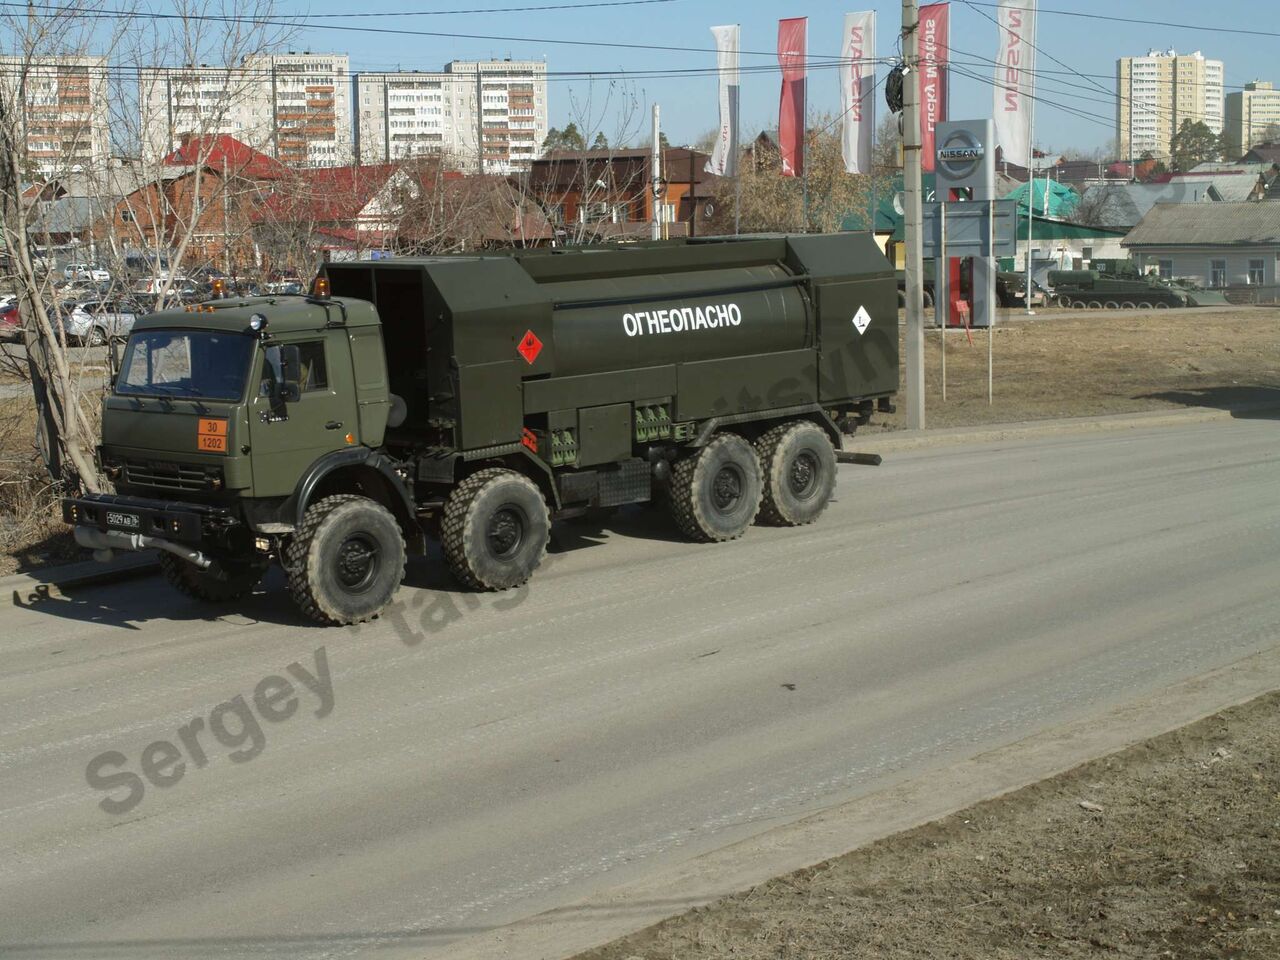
column 715, row 493
column 495, row 529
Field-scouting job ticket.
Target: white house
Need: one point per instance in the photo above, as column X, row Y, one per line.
column 1216, row 244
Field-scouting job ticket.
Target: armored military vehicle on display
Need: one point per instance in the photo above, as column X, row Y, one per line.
column 1117, row 284
column 474, row 399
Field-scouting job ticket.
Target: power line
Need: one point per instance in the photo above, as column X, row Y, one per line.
column 975, row 9
column 346, row 28
column 1200, row 28
column 249, row 74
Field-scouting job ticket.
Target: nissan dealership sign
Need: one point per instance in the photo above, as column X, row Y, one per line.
column 962, row 157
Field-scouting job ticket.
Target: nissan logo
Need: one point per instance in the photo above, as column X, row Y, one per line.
column 960, row 154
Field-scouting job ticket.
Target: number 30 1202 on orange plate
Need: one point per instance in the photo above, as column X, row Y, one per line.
column 211, row 435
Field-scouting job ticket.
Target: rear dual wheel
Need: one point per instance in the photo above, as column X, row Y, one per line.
column 799, row 468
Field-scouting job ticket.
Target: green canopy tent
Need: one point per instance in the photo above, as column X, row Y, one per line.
column 1062, row 199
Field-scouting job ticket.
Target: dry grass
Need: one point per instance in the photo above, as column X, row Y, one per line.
column 32, row 533
column 1078, row 364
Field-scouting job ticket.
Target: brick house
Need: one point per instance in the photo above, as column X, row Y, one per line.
column 209, row 187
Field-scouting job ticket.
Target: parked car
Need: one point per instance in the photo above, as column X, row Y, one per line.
column 282, row 285
column 95, row 322
column 87, row 271
column 10, row 322
column 177, row 287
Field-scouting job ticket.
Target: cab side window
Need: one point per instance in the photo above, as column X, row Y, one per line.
column 312, row 377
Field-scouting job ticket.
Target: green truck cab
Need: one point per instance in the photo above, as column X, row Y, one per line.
column 473, row 399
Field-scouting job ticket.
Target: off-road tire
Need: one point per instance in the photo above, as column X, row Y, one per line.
column 346, row 560
column 715, row 492
column 798, row 466
column 928, row 299
column 495, row 529
column 219, row 584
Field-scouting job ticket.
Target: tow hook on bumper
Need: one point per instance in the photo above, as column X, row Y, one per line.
column 104, row 543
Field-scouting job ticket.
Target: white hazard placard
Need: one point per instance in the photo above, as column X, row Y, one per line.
column 862, row 320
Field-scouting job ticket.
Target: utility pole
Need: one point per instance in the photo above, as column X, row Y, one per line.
column 655, row 182
column 913, row 213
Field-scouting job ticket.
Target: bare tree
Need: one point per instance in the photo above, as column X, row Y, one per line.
column 45, row 39
column 170, row 220
column 186, row 213
column 771, row 202
column 587, row 194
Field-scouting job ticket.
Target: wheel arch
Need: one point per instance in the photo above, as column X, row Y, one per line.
column 360, row 471
column 764, row 420
column 522, row 462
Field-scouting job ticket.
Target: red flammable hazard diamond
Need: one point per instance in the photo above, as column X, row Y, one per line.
column 530, row 346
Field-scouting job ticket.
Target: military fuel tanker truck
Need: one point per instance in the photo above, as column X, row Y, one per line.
column 474, row 399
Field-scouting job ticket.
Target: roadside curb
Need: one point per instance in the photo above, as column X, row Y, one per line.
column 25, row 588
column 899, row 440
column 601, row 918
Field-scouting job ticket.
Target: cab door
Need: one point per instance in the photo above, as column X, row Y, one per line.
column 288, row 436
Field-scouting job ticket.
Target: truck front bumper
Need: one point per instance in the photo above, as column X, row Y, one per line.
column 105, row 523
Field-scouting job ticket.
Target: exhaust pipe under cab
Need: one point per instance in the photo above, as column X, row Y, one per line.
column 104, row 543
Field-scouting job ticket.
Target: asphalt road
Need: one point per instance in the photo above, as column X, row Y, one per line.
column 480, row 759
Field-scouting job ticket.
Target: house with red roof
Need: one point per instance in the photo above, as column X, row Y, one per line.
column 203, row 195
column 359, row 211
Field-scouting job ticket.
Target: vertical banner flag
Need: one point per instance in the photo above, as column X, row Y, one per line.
column 857, row 88
column 1015, row 78
column 724, row 155
column 791, row 58
column 934, row 53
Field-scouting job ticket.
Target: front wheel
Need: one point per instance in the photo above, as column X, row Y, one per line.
column 346, row 560
column 799, row 468
column 715, row 493
column 495, row 529
column 226, row 580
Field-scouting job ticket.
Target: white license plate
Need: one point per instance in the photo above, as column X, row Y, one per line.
column 129, row 520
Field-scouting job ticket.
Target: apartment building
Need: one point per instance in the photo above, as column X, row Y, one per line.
column 493, row 111
column 295, row 107
column 1252, row 117
column 1156, row 93
column 65, row 118
column 404, row 114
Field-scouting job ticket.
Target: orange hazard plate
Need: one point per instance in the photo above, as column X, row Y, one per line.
column 211, row 435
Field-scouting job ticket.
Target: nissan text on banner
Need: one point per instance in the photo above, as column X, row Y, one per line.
column 857, row 88
column 935, row 23
column 1015, row 78
column 724, row 155
column 791, row 58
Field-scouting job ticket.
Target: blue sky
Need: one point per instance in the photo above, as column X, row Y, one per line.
column 688, row 104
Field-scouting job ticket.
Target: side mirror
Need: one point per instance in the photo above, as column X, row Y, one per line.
column 291, row 373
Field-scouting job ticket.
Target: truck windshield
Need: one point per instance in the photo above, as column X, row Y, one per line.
column 185, row 363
